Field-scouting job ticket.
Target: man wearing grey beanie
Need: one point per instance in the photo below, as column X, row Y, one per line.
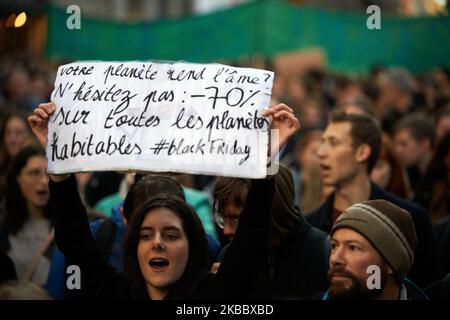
column 373, row 244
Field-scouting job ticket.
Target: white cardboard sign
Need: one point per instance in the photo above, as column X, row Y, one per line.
column 178, row 117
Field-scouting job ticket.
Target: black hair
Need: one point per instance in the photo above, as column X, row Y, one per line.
column 147, row 186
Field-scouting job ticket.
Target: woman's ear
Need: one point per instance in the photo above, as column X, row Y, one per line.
column 124, row 219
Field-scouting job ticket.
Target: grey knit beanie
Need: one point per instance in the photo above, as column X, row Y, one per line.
column 389, row 228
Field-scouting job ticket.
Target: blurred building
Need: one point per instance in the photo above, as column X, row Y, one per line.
column 391, row 7
column 147, row 10
column 30, row 37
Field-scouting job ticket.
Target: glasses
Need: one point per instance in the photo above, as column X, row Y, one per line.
column 36, row 174
column 221, row 220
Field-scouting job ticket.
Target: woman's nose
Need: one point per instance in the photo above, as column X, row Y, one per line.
column 158, row 244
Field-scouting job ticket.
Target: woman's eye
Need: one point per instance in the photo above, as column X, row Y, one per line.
column 354, row 248
column 171, row 236
column 145, row 236
column 34, row 173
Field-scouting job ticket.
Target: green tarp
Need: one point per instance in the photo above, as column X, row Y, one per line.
column 263, row 28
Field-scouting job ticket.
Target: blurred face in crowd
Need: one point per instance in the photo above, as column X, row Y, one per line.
column 33, row 182
column 408, row 150
column 337, row 155
column 41, row 86
column 19, row 84
column 388, row 92
column 163, row 251
column 296, row 89
column 442, row 127
column 16, row 135
column 307, row 156
column 351, row 255
column 279, row 84
column 441, row 78
column 348, row 93
column 381, row 173
column 311, row 112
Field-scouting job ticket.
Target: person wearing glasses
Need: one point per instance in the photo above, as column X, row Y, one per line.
column 297, row 265
column 26, row 235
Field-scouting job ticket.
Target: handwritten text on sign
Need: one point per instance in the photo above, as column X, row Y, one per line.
column 150, row 116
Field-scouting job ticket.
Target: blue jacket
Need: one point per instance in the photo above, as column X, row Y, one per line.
column 426, row 268
column 57, row 275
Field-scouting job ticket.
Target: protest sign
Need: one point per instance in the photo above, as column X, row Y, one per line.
column 178, row 117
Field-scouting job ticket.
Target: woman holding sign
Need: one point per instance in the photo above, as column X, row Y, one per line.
column 165, row 251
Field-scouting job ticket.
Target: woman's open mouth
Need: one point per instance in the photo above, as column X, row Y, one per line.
column 158, row 264
column 42, row 192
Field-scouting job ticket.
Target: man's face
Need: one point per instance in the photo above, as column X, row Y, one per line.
column 408, row 150
column 351, row 255
column 337, row 156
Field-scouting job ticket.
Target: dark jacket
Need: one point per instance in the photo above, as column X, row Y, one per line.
column 297, row 264
column 297, row 269
column 442, row 232
column 413, row 292
column 439, row 290
column 426, row 268
column 75, row 240
column 7, row 269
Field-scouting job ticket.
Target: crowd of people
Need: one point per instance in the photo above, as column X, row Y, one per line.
column 363, row 189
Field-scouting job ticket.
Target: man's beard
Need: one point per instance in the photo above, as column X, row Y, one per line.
column 358, row 289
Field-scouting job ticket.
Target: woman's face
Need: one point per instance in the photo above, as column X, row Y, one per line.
column 16, row 135
column 33, row 181
column 163, row 250
column 381, row 173
column 308, row 156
